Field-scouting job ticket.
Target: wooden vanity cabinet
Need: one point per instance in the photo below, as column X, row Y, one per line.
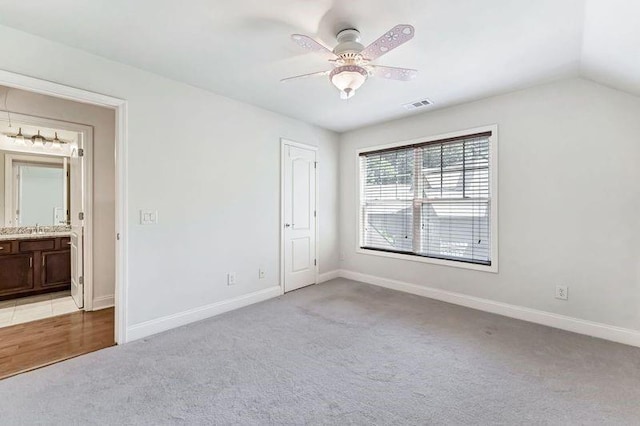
column 56, row 268
column 16, row 273
column 34, row 266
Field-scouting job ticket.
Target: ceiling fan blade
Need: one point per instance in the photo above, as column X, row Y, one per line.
column 393, row 73
column 390, row 40
column 308, row 43
column 313, row 74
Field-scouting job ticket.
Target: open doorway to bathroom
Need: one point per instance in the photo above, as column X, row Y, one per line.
column 57, row 222
column 41, row 253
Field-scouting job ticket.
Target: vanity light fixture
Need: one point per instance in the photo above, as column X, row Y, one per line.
column 37, row 140
column 19, row 138
column 57, row 143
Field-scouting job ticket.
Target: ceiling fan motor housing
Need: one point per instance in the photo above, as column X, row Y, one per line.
column 348, row 42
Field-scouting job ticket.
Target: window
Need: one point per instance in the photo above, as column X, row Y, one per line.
column 431, row 200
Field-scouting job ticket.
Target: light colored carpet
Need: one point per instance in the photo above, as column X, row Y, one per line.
column 339, row 353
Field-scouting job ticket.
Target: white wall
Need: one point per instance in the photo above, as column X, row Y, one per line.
column 568, row 200
column 210, row 165
column 103, row 122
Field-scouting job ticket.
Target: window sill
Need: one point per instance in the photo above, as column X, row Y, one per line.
column 493, row 268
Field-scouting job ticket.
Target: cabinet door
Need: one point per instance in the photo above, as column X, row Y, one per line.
column 56, row 268
column 16, row 273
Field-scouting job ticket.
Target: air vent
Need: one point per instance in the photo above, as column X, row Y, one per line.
column 418, row 104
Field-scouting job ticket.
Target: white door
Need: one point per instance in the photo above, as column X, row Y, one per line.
column 299, row 217
column 76, row 212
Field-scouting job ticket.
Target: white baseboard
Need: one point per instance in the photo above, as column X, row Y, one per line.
column 603, row 331
column 158, row 325
column 103, row 302
column 328, row 276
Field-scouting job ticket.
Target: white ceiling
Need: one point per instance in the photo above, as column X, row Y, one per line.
column 464, row 49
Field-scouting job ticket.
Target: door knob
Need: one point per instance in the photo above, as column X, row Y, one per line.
column 287, row 225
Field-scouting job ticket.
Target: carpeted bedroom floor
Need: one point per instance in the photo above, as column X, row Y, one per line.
column 339, row 353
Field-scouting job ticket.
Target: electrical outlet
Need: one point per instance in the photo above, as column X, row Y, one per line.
column 342, row 255
column 261, row 273
column 562, row 292
column 231, row 278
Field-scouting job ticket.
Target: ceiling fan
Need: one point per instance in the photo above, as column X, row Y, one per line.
column 352, row 61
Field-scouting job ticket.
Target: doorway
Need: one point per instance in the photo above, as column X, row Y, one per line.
column 46, row 217
column 49, row 248
column 120, row 236
column 299, row 215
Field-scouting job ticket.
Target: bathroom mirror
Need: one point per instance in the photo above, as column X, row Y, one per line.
column 35, row 190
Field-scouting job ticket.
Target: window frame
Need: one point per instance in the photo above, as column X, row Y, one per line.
column 493, row 186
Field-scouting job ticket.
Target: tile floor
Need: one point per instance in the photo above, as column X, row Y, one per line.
column 33, row 308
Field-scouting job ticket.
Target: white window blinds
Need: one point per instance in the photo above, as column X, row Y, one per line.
column 430, row 199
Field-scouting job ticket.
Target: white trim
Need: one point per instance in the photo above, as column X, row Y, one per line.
column 122, row 225
column 169, row 322
column 590, row 328
column 284, row 142
column 328, row 276
column 103, row 302
column 431, row 260
column 493, row 173
column 45, row 87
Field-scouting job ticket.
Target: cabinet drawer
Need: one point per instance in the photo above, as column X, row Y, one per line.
column 37, row 245
column 5, row 247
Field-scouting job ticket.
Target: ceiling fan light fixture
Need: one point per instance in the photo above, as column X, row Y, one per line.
column 348, row 79
column 351, row 61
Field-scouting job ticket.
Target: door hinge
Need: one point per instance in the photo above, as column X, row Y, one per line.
column 315, row 164
column 315, row 262
column 81, row 216
column 81, row 280
column 80, row 152
column 315, row 214
column 118, row 236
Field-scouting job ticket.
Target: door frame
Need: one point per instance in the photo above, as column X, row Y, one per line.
column 283, row 145
column 45, row 87
column 86, row 133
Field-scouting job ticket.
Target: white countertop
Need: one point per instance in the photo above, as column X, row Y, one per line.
column 5, row 237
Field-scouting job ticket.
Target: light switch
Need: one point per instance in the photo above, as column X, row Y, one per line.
column 148, row 217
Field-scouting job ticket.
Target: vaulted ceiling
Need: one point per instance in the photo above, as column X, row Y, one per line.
column 464, row 49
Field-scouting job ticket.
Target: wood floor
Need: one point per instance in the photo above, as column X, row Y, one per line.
column 35, row 344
